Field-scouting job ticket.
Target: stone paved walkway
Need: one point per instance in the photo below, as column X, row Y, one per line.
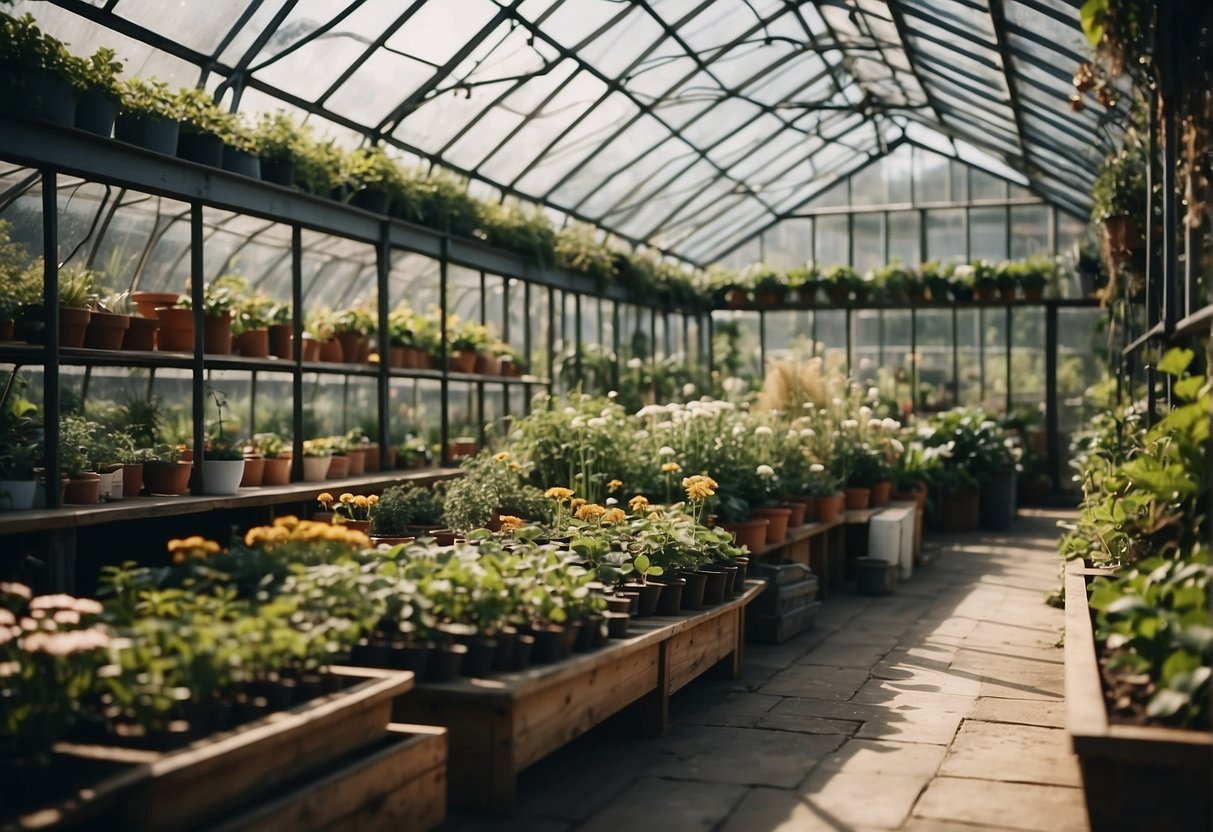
column 938, row 708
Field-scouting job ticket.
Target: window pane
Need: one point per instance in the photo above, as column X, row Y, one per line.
column 988, row 234
column 946, row 235
column 903, row 237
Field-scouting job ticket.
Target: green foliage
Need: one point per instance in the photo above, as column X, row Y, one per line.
column 148, row 99
column 77, row 288
column 401, row 507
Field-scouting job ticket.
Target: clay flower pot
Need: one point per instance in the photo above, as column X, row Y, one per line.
column 277, row 471
column 796, row 518
column 217, row 334
column 149, row 303
column 176, row 329
column 880, row 493
column 857, row 499
column 106, row 331
column 254, row 343
column 85, row 491
column 311, row 348
column 357, row 462
column 750, row 533
column 810, row 507
column 462, row 361
column 140, row 336
column 132, row 479
column 316, row 468
column 331, row 352
column 281, row 337
column 488, row 365
column 352, row 345
column 254, row 472
column 777, row 526
column 830, row 508
column 73, row 325
column 339, row 467
column 167, row 478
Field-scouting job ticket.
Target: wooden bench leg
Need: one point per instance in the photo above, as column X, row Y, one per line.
column 729, row 667
column 650, row 714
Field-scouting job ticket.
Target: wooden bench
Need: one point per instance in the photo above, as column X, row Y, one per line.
column 502, row 724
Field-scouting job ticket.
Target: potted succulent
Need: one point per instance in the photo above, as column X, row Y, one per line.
column 147, row 116
column 108, row 323
column 75, row 297
column 222, row 458
column 317, row 457
column 37, row 75
column 277, row 455
column 97, row 107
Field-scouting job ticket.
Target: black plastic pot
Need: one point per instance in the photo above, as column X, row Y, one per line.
column 713, row 588
column 998, row 501
column 547, row 647
column 371, row 653
column 36, row 93
column 241, row 162
column 481, row 652
column 618, row 603
column 521, row 657
column 96, row 110
column 371, row 199
column 730, row 579
column 617, row 624
column 445, row 662
column 202, row 148
column 650, row 595
column 743, row 569
column 278, row 171
column 412, row 656
column 149, row 132
column 692, row 594
column 671, row 596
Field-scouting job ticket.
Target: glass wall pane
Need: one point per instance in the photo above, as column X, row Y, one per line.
column 934, row 359
column 868, row 241
column 831, row 241
column 946, row 235
column 904, row 242
column 988, row 234
column 1029, row 230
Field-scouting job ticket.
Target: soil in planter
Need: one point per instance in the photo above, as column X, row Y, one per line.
column 28, row 788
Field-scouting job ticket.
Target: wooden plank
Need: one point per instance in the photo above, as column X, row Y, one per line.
column 1085, row 709
column 693, row 652
column 550, row 718
column 401, row 784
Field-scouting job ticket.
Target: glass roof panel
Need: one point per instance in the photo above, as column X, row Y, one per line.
column 438, row 30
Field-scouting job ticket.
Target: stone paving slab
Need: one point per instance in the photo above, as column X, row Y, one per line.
column 855, row 799
column 1012, row 753
column 658, row 805
column 1010, row 805
column 1020, row 711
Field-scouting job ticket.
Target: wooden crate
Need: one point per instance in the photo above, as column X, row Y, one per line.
column 178, row 790
column 1134, row 777
column 502, row 724
column 400, row 784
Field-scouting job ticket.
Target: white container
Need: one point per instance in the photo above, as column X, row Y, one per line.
column 316, row 468
column 107, row 485
column 884, row 538
column 221, row 477
column 17, row 495
column 116, row 485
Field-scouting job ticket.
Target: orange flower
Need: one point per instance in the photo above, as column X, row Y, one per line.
column 638, row 503
column 558, row 493
column 590, row 513
column 614, row 485
column 509, row 522
column 613, row 516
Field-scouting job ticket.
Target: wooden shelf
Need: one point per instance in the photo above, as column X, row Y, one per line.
column 139, row 508
column 1197, row 323
column 918, row 307
column 796, row 534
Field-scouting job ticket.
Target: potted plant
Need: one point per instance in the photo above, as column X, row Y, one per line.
column 352, row 327
column 222, row 458
column 97, row 107
column 254, row 465
column 465, row 340
column 769, row 288
column 895, row 282
column 936, row 280
column 250, row 326
column 413, row 453
column 985, row 280
column 76, row 444
column 841, row 282
column 1118, row 201
column 279, row 141
column 176, row 332
column 37, row 75
column 281, row 331
column 165, row 473
column 317, row 457
column 140, row 335
column 202, row 122
column 108, row 322
column 352, row 510
column 1006, row 277
column 219, row 300
column 372, row 177
column 75, row 297
column 112, row 449
column 804, row 282
column 962, row 282
column 147, row 116
column 277, row 454
column 1034, row 276
column 20, row 455
column 406, row 511
column 322, row 331
column 148, row 304
column 20, row 282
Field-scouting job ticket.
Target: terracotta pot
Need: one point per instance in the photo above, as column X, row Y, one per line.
column 176, row 329
column 363, row 526
column 330, row 352
column 425, row 361
column 880, row 493
column 316, row 468
column 462, row 361
column 357, row 462
column 1033, row 294
column 73, row 325
column 141, row 335
column 150, row 303
column 339, row 467
column 106, row 331
column 277, row 471
column 1007, row 293
column 736, row 298
column 830, row 508
column 254, row 472
column 777, row 527
column 132, row 479
column 167, row 478
column 311, row 348
column 508, row 368
column 751, row 534
column 488, row 365
column 254, row 343
column 396, row 357
column 858, row 499
column 352, row 346
column 371, row 455
column 85, row 491
column 798, row 512
column 984, row 291
column 281, row 337
column 217, row 334
column 810, row 506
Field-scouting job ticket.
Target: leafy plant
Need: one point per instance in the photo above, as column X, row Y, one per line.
column 403, row 507
column 77, row 288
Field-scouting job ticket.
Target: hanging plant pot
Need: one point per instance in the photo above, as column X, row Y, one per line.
column 217, row 334
column 199, row 147
column 777, row 522
column 277, row 471
column 462, row 361
column 880, row 493
column 96, row 110
column 17, row 495
column 830, row 508
column 36, row 93
column 150, row 132
column 176, row 329
column 132, row 479
column 140, row 336
column 85, row 490
column 73, row 326
column 278, row 171
column 241, row 162
column 254, row 343
column 106, row 331
column 281, row 338
column 857, row 499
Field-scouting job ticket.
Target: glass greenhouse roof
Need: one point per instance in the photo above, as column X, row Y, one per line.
column 689, row 125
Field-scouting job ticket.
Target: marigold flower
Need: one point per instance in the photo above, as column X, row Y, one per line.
column 576, row 503
column 514, row 466
column 613, row 516
column 614, row 485
column 590, row 512
column 361, row 502
column 699, row 487
column 372, row 500
column 325, row 499
column 346, row 498
column 509, row 522
column 638, row 502
column 558, row 493
column 670, row 467
column 288, row 521
column 502, row 456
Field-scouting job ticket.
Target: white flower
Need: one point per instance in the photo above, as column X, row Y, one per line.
column 635, row 363
column 816, row 468
column 807, row 433
column 640, row 435
column 666, row 425
column 807, row 405
column 570, row 411
column 849, row 424
column 897, row 446
column 890, row 425
column 577, row 423
column 666, row 450
column 597, row 422
column 865, row 413
column 765, row 471
column 988, row 425
column 688, row 390
column 963, row 272
column 874, row 424
column 873, row 393
column 738, row 430
column 610, row 501
column 651, row 410
column 763, row 430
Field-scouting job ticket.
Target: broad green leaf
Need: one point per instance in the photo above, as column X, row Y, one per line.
column 1177, row 360
column 1091, row 16
column 1166, row 703
column 1177, row 664
column 1188, row 388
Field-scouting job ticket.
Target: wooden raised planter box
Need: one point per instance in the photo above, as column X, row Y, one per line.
column 1135, row 777
column 214, row 777
column 502, row 724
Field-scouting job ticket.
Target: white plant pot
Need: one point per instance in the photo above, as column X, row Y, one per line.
column 116, row 483
column 221, row 477
column 316, row 468
column 107, row 486
column 17, row 495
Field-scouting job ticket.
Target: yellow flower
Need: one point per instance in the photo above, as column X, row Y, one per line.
column 509, row 522
column 346, row 498
column 670, row 467
column 514, row 466
column 361, row 502
column 324, row 499
column 613, row 516
column 288, row 521
column 638, row 503
column 558, row 493
column 576, row 503
column 501, row 457
column 614, row 485
column 699, row 487
column 373, row 500
column 590, row 512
